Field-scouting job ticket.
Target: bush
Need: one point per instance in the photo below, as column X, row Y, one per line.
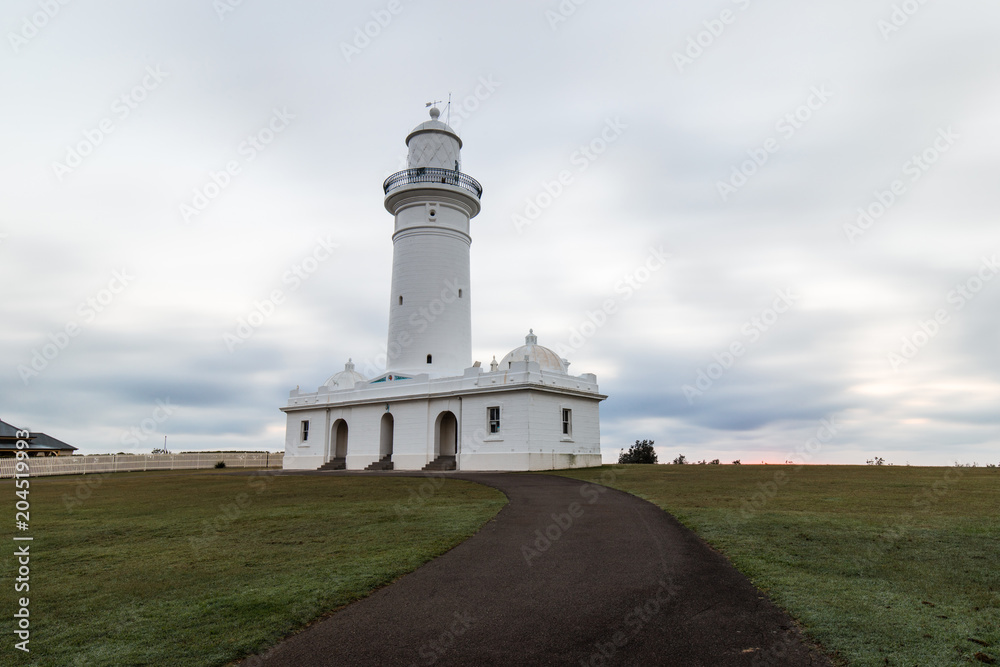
column 220, row 464
column 640, row 452
column 713, row 462
column 737, row 462
column 680, row 460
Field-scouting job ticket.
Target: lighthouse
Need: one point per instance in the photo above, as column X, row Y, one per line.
column 434, row 407
column 430, row 305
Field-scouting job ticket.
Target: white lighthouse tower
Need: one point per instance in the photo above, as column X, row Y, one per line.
column 433, row 408
column 430, row 311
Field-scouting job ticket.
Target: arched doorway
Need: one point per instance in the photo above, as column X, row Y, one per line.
column 337, row 454
column 446, row 434
column 385, row 436
column 339, row 438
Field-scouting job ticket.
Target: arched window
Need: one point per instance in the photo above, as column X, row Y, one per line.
column 428, row 358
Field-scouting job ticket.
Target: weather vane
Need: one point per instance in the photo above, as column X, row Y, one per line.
column 436, row 102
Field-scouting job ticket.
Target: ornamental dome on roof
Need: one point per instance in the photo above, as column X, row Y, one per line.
column 434, row 144
column 345, row 379
column 546, row 358
column 434, row 125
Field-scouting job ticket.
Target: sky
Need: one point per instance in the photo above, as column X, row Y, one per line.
column 770, row 229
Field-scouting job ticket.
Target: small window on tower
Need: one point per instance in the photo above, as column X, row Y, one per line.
column 567, row 422
column 428, row 358
column 401, row 299
column 305, row 430
column 459, row 292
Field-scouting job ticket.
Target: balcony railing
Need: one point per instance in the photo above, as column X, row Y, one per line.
column 433, row 175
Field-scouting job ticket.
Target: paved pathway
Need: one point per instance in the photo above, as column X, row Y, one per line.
column 568, row 573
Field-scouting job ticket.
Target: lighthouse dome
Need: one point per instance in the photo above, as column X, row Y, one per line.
column 433, row 144
column 532, row 351
column 345, row 379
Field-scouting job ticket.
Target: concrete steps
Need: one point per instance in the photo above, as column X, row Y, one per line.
column 383, row 463
column 334, row 464
column 441, row 463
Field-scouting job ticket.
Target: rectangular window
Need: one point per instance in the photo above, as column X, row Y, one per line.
column 567, row 419
column 493, row 417
column 305, row 430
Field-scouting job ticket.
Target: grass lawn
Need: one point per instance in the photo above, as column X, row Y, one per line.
column 203, row 567
column 881, row 565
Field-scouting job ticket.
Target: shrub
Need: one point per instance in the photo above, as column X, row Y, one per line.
column 680, row 460
column 640, row 452
column 220, row 464
column 737, row 462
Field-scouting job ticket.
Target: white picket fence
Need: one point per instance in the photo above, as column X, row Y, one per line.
column 80, row 465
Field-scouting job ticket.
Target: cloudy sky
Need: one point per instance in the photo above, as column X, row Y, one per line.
column 821, row 180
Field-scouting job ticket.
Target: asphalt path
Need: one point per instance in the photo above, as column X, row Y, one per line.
column 568, row 573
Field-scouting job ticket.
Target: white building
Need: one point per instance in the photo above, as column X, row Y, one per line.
column 433, row 408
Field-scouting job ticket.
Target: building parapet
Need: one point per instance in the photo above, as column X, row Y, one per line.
column 521, row 375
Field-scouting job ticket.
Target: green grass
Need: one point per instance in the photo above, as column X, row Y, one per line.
column 200, row 568
column 881, row 565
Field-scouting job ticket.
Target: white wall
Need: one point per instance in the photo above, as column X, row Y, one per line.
column 530, row 436
column 430, row 271
column 531, row 400
column 530, row 431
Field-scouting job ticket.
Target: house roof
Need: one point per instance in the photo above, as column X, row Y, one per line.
column 45, row 441
column 36, row 441
column 7, row 430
